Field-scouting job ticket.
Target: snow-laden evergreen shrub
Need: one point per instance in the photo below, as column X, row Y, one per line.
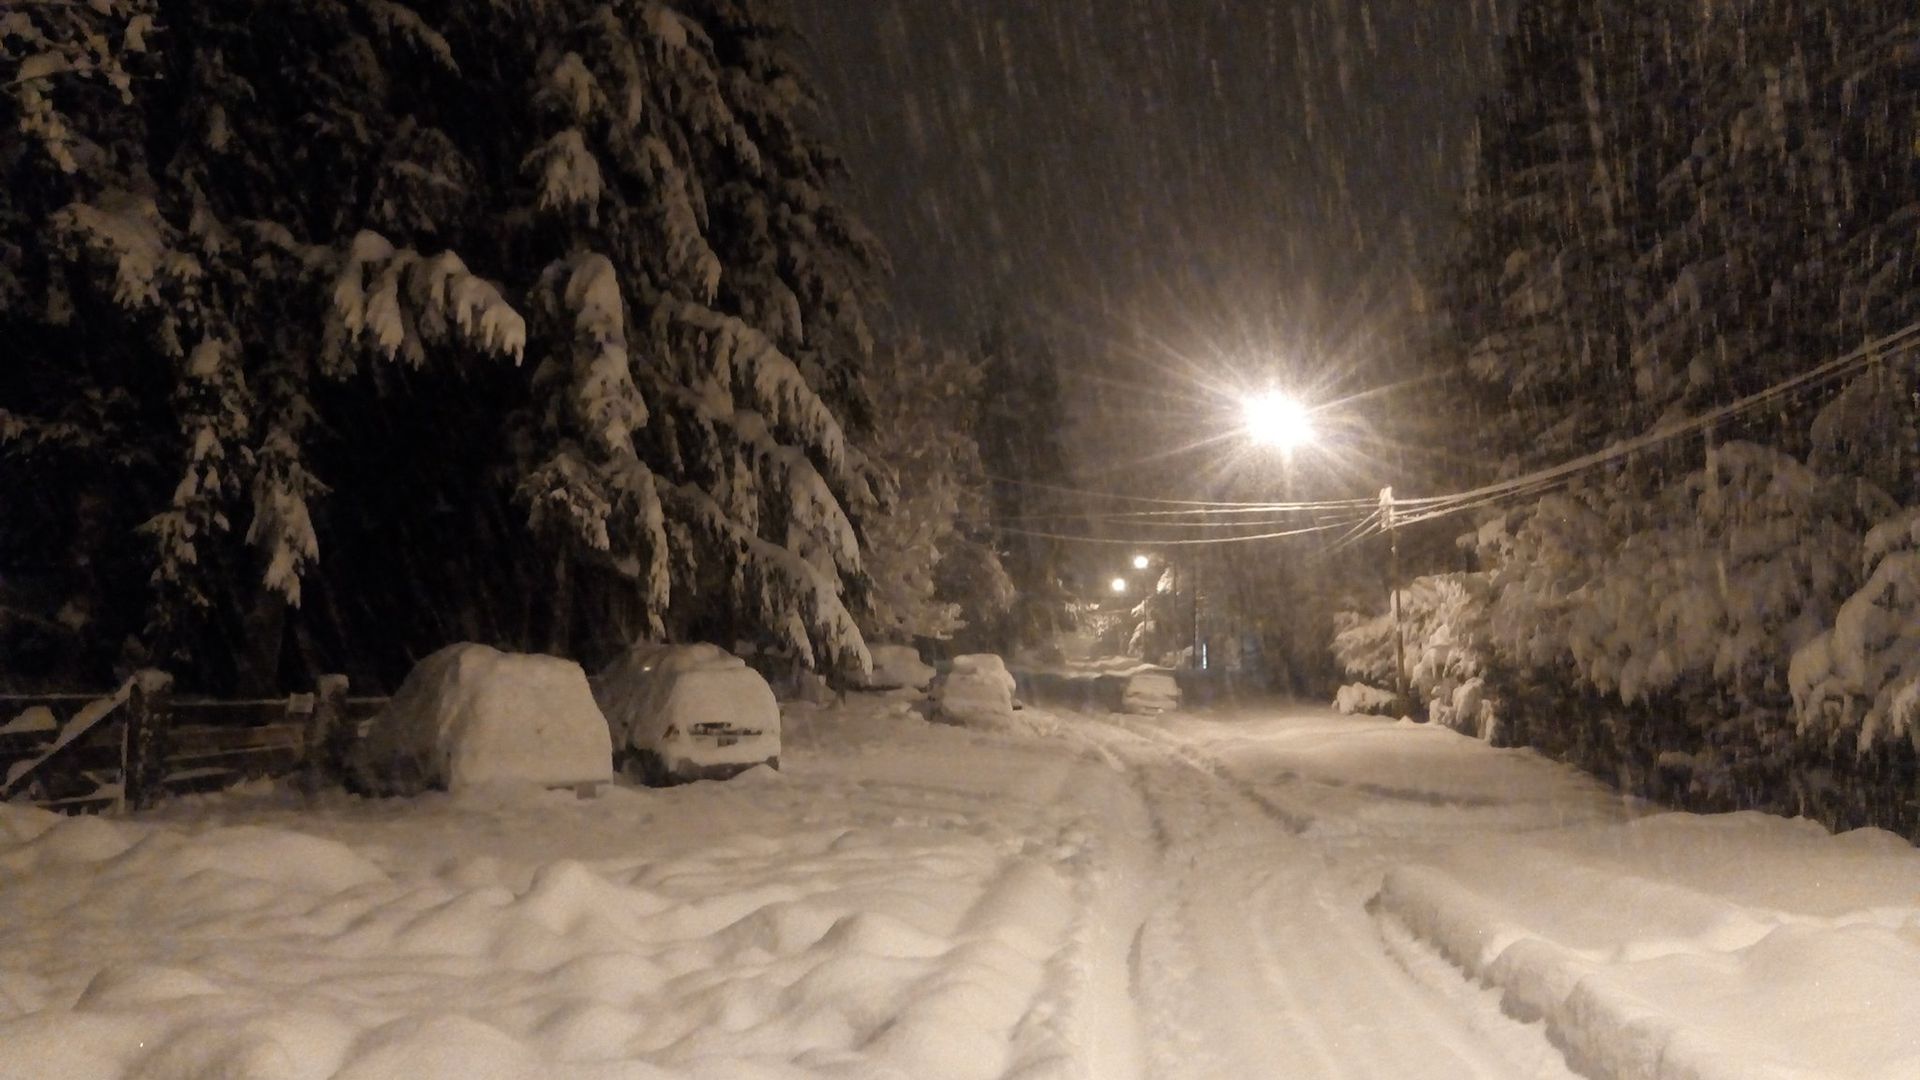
column 252, row 270
column 925, row 453
column 1158, row 630
column 1725, row 575
column 1861, row 679
column 1444, row 620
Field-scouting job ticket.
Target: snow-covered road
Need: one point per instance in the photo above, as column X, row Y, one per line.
column 1270, row 893
column 1255, row 954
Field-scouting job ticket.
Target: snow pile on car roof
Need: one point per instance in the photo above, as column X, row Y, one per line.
column 470, row 715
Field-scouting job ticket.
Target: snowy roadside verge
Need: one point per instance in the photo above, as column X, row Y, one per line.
column 1688, row 947
column 850, row 918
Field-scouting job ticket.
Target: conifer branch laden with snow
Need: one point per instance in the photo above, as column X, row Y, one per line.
column 642, row 221
column 398, row 303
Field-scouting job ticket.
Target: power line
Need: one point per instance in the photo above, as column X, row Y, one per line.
column 1874, row 351
column 1433, row 507
column 1540, row 481
column 1194, row 542
column 1114, row 496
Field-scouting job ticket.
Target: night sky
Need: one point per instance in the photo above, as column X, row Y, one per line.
column 1164, row 184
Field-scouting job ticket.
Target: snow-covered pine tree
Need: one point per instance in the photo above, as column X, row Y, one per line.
column 338, row 236
column 1017, row 417
column 1750, row 210
column 922, row 396
column 1542, row 291
column 1873, row 96
column 673, row 146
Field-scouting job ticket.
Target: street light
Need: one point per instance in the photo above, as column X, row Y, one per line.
column 1141, row 562
column 1277, row 420
column 1119, row 585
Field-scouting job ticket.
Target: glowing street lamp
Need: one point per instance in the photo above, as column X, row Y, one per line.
column 1119, row 585
column 1277, row 420
column 1140, row 562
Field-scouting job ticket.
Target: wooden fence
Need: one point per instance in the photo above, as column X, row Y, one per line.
column 129, row 747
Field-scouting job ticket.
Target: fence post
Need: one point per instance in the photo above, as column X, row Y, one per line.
column 144, row 766
column 329, row 736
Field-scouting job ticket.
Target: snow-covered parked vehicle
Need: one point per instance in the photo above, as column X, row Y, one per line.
column 976, row 692
column 898, row 667
column 1359, row 699
column 1150, row 690
column 470, row 715
column 679, row 713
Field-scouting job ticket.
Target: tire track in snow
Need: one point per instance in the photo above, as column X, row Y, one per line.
column 1258, row 958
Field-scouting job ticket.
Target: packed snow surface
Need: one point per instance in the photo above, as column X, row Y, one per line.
column 1273, row 893
column 471, row 714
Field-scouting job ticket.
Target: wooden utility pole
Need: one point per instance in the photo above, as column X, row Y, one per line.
column 1193, row 587
column 1393, row 597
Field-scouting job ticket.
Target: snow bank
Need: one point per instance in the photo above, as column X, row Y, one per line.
column 470, row 715
column 898, row 667
column 688, row 712
column 1689, row 947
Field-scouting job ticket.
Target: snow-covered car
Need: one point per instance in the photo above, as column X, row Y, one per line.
column 898, row 667
column 1150, row 690
column 679, row 713
column 976, row 692
column 470, row 715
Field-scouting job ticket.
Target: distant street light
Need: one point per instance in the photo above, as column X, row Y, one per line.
column 1140, row 562
column 1277, row 420
column 1119, row 585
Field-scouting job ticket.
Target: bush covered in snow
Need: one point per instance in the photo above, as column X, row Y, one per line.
column 1862, row 677
column 1741, row 563
column 1715, row 585
column 688, row 712
column 1444, row 619
column 470, row 715
column 1724, row 644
